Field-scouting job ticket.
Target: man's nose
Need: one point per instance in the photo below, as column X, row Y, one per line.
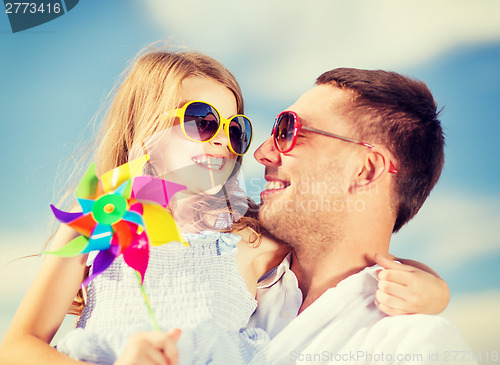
column 267, row 154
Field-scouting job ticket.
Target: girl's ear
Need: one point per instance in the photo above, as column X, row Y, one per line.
column 376, row 165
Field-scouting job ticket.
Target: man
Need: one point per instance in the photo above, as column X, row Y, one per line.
column 347, row 165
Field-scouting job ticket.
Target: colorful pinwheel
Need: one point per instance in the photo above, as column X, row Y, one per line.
column 123, row 213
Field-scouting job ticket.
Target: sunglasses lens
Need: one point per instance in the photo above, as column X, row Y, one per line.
column 201, row 121
column 283, row 132
column 240, row 134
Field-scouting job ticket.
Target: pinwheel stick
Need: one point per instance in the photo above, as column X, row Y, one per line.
column 212, row 178
column 148, row 305
column 116, row 212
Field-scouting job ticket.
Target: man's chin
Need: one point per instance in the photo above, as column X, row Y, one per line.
column 269, row 218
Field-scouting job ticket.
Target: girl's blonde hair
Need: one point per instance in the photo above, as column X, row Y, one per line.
column 149, row 90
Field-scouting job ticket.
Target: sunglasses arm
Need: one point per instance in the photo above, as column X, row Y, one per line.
column 392, row 168
column 176, row 113
column 314, row 130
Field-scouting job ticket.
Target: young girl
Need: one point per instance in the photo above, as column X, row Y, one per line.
column 168, row 104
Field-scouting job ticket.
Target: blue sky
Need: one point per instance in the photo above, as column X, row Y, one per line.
column 53, row 79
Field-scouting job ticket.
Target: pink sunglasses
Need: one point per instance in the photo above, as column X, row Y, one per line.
column 287, row 126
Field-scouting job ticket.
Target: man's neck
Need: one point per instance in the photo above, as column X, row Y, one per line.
column 319, row 270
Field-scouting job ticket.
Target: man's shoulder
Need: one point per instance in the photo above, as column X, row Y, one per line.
column 419, row 320
column 429, row 336
column 418, row 325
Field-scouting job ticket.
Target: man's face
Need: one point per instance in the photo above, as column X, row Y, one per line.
column 307, row 189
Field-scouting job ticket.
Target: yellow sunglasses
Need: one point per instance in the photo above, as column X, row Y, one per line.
column 200, row 122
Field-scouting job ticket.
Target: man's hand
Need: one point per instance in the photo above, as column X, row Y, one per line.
column 406, row 289
column 151, row 348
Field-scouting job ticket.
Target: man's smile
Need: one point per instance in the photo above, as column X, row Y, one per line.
column 273, row 186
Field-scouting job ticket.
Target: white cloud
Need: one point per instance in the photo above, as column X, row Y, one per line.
column 16, row 272
column 14, row 263
column 280, row 46
column 477, row 316
column 452, row 228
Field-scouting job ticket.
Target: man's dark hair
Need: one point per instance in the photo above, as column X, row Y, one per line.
column 401, row 114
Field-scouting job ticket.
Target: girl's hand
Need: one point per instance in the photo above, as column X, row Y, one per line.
column 151, row 348
column 409, row 289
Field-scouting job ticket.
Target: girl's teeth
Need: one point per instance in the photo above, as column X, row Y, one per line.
column 274, row 185
column 210, row 162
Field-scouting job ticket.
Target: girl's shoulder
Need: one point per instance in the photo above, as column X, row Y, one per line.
column 226, row 243
column 212, row 236
column 264, row 251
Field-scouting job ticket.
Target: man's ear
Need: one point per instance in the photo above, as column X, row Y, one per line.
column 376, row 165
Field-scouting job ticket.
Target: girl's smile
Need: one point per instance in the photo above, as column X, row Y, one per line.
column 210, row 162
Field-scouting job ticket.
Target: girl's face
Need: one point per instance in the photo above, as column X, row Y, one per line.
column 202, row 167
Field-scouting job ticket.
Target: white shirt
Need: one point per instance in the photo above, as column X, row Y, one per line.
column 344, row 326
